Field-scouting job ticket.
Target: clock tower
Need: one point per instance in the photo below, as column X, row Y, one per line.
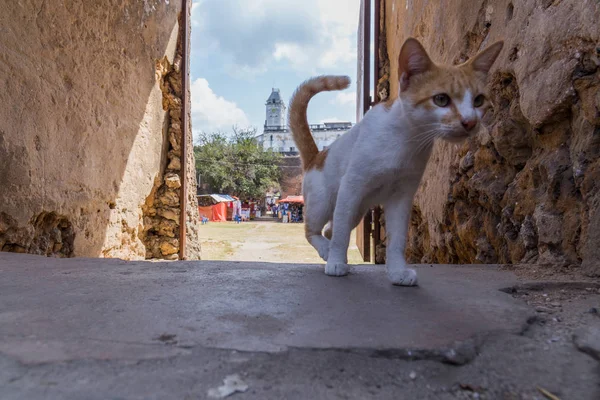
column 275, row 110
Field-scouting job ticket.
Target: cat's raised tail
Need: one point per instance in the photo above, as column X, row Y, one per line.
column 297, row 116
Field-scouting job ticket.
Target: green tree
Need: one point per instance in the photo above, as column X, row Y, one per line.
column 235, row 164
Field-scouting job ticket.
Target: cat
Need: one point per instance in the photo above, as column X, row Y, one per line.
column 381, row 159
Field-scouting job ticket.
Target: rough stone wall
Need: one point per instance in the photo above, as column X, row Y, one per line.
column 526, row 189
column 82, row 127
column 162, row 208
column 192, row 250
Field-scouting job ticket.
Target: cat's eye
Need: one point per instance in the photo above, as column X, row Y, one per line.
column 478, row 101
column 441, row 100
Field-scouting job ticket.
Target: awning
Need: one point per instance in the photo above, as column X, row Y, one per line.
column 219, row 198
column 293, row 200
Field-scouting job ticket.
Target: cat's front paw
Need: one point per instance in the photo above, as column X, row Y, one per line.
column 336, row 269
column 402, row 276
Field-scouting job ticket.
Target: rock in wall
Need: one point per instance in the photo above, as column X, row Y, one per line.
column 82, row 127
column 526, row 188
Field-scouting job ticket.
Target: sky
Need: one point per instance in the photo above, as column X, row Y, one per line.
column 243, row 48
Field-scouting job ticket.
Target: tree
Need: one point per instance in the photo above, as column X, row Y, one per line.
column 236, row 164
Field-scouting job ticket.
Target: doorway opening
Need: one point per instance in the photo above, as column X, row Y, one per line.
column 261, row 58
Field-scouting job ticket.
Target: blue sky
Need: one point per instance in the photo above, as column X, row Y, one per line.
column 243, row 48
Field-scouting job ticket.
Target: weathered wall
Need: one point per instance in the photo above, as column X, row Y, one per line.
column 82, row 127
column 162, row 207
column 291, row 176
column 526, row 189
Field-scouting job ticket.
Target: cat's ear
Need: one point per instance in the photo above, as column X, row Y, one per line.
column 484, row 60
column 413, row 60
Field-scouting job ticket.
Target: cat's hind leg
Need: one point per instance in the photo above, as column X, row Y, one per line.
column 348, row 212
column 317, row 211
column 328, row 231
column 316, row 216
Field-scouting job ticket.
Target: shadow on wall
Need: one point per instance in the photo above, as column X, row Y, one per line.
column 82, row 136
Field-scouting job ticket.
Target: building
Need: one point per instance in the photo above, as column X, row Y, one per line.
column 277, row 136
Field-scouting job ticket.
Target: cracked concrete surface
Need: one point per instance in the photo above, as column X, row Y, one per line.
column 98, row 329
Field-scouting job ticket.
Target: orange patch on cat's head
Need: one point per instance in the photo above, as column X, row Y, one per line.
column 421, row 78
column 451, row 80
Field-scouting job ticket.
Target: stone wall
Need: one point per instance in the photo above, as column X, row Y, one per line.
column 162, row 208
column 291, row 176
column 526, row 189
column 83, row 132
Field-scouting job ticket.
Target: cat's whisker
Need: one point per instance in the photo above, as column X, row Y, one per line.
column 423, row 134
column 426, row 140
column 424, row 143
column 430, row 134
column 418, row 129
column 427, row 124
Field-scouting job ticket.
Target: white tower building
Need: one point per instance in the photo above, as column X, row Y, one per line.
column 275, row 108
column 277, row 137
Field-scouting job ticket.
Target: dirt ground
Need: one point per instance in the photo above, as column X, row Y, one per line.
column 264, row 241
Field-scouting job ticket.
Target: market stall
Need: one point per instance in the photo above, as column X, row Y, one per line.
column 291, row 209
column 214, row 207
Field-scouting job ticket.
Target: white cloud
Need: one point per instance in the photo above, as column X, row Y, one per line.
column 211, row 112
column 311, row 36
column 345, row 98
column 336, row 47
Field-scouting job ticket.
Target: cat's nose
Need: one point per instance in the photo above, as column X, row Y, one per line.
column 468, row 124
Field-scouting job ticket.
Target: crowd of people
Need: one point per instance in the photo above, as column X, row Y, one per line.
column 287, row 212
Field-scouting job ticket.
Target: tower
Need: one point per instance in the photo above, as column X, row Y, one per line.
column 275, row 108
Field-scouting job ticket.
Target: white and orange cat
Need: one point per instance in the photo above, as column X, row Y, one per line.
column 381, row 160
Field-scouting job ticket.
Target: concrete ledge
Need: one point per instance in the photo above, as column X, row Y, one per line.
column 67, row 309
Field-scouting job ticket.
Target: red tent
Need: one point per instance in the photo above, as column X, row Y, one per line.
column 214, row 207
column 215, row 213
